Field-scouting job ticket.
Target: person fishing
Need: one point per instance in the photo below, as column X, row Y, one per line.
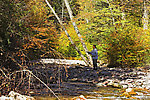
column 94, row 54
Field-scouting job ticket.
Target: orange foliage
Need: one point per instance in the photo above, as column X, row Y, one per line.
column 45, row 37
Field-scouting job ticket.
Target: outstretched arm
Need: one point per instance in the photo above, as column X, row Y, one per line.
column 89, row 52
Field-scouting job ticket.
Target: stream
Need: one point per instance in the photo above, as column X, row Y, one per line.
column 69, row 82
column 69, row 90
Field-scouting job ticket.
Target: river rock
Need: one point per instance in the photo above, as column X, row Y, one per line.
column 16, row 96
column 128, row 89
column 99, row 84
column 116, row 85
column 6, row 98
column 125, row 86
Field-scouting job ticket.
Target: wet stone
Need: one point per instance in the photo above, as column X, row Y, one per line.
column 77, row 80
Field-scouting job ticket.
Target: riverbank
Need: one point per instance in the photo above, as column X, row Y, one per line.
column 104, row 83
column 73, row 81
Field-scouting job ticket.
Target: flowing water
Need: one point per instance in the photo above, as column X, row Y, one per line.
column 69, row 90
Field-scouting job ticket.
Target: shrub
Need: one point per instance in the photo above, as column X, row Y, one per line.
column 128, row 46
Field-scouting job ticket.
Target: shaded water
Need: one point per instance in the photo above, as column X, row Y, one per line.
column 74, row 81
column 69, row 90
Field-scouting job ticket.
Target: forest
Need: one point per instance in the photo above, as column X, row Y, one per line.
column 32, row 30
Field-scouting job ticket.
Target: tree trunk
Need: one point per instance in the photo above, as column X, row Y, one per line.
column 77, row 31
column 123, row 13
column 67, row 33
column 62, row 11
column 111, row 13
column 145, row 16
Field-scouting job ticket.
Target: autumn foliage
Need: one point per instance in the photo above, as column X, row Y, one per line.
column 115, row 27
column 41, row 42
column 128, row 46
